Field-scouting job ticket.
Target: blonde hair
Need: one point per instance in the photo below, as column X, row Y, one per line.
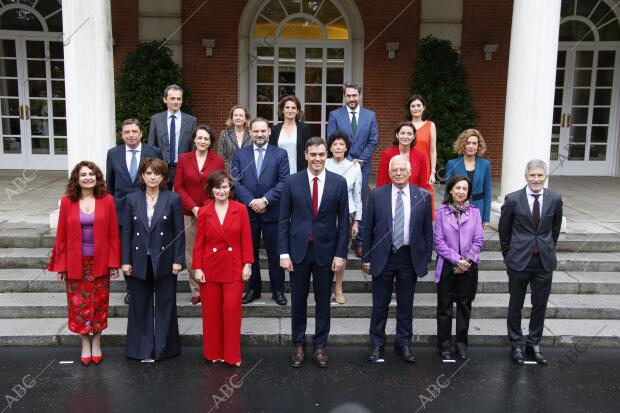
column 461, row 141
column 229, row 122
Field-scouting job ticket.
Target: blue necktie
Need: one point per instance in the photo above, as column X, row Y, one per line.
column 398, row 232
column 173, row 139
column 259, row 162
column 133, row 165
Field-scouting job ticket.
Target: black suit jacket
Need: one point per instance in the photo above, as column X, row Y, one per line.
column 303, row 134
column 164, row 238
column 117, row 178
column 158, row 133
column 517, row 233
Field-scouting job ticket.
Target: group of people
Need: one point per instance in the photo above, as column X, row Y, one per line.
column 175, row 203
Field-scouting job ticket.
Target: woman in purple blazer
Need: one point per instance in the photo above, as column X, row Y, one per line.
column 458, row 238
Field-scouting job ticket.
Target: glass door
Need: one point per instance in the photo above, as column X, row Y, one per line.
column 32, row 103
column 584, row 134
column 314, row 74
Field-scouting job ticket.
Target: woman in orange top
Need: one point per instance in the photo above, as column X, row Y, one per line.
column 404, row 144
column 426, row 136
column 223, row 257
column 86, row 255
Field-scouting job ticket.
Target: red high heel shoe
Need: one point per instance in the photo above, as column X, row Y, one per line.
column 86, row 360
column 97, row 359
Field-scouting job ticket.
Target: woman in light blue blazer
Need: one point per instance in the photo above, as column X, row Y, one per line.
column 470, row 146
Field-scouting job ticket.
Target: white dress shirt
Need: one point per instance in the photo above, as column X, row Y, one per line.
column 289, row 144
column 530, row 199
column 406, row 206
column 128, row 155
column 320, row 183
column 255, row 146
column 177, row 130
column 353, row 174
column 357, row 114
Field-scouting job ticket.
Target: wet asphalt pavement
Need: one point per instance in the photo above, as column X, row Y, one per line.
column 577, row 380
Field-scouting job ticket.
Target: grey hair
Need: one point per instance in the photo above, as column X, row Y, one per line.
column 400, row 157
column 536, row 163
column 352, row 85
column 172, row 87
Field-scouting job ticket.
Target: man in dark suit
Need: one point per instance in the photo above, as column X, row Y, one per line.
column 529, row 227
column 259, row 172
column 122, row 167
column 172, row 129
column 312, row 240
column 398, row 244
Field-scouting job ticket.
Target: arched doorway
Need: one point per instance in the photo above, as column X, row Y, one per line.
column 32, row 92
column 586, row 108
column 303, row 47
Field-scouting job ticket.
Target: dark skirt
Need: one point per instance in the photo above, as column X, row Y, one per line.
column 88, row 300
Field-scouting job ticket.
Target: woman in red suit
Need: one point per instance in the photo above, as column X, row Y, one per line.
column 86, row 255
column 404, row 144
column 223, row 257
column 193, row 169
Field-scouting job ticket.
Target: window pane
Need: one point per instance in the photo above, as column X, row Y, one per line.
column 328, row 12
column 335, row 55
column 10, row 126
column 291, row 6
column 264, row 111
column 12, row 145
column 264, row 74
column 315, row 130
column 8, row 67
column 576, row 152
column 555, row 134
column 572, row 31
column 273, row 11
column 60, row 146
column 35, row 49
column 559, row 78
column 54, row 23
column 584, row 58
column 581, row 97
column 264, row 28
column 598, row 152
column 286, row 54
column 579, row 115
column 7, row 48
column 58, row 89
column 568, row 7
column 314, row 75
column 578, row 134
column 611, row 32
column 335, row 75
column 58, row 69
column 286, row 74
column 57, row 50
column 606, row 58
column 602, row 97
column 599, row 134
column 561, row 62
column 583, row 77
column 334, row 94
column 313, row 94
column 9, row 106
column 38, row 107
column 264, row 93
column 301, row 29
column 557, row 115
column 59, row 107
column 38, row 88
column 600, row 116
column 8, row 87
column 604, row 77
column 312, row 113
column 36, row 68
column 40, row 146
column 338, row 30
column 285, row 91
column 39, row 127
column 20, row 19
column 60, row 127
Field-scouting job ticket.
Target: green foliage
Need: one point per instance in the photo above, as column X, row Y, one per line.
column 139, row 89
column 441, row 79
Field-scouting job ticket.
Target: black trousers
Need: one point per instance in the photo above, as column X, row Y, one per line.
column 276, row 273
column 152, row 327
column 459, row 289
column 322, row 278
column 540, row 284
column 400, row 269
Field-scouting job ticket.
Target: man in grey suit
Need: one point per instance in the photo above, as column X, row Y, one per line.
column 529, row 227
column 172, row 129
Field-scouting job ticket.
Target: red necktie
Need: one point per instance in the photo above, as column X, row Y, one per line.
column 315, row 196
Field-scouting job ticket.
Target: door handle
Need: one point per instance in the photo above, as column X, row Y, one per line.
column 27, row 111
column 569, row 118
column 562, row 120
column 21, row 112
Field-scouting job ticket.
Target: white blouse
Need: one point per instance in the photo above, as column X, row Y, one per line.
column 289, row 144
column 353, row 174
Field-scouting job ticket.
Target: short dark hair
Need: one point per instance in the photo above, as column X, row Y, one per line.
column 172, row 87
column 258, row 119
column 409, row 101
column 210, row 131
column 397, row 129
column 215, row 179
column 289, row 98
column 343, row 136
column 131, row 121
column 315, row 140
column 157, row 166
column 353, row 85
column 453, row 181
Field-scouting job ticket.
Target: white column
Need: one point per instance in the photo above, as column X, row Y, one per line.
column 530, row 91
column 89, row 80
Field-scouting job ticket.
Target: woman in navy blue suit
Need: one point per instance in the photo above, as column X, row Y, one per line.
column 470, row 145
column 153, row 254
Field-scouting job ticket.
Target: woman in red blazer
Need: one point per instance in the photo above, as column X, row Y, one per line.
column 193, row 169
column 223, row 257
column 404, row 144
column 86, row 254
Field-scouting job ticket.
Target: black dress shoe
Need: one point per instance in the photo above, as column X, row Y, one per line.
column 320, row 357
column 297, row 358
column 445, row 355
column 405, row 353
column 249, row 296
column 461, row 351
column 279, row 298
column 517, row 356
column 376, row 355
column 462, row 355
column 126, row 298
column 535, row 352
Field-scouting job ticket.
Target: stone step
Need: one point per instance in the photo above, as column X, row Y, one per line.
column 23, row 280
column 358, row 305
column 344, row 331
column 491, row 260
